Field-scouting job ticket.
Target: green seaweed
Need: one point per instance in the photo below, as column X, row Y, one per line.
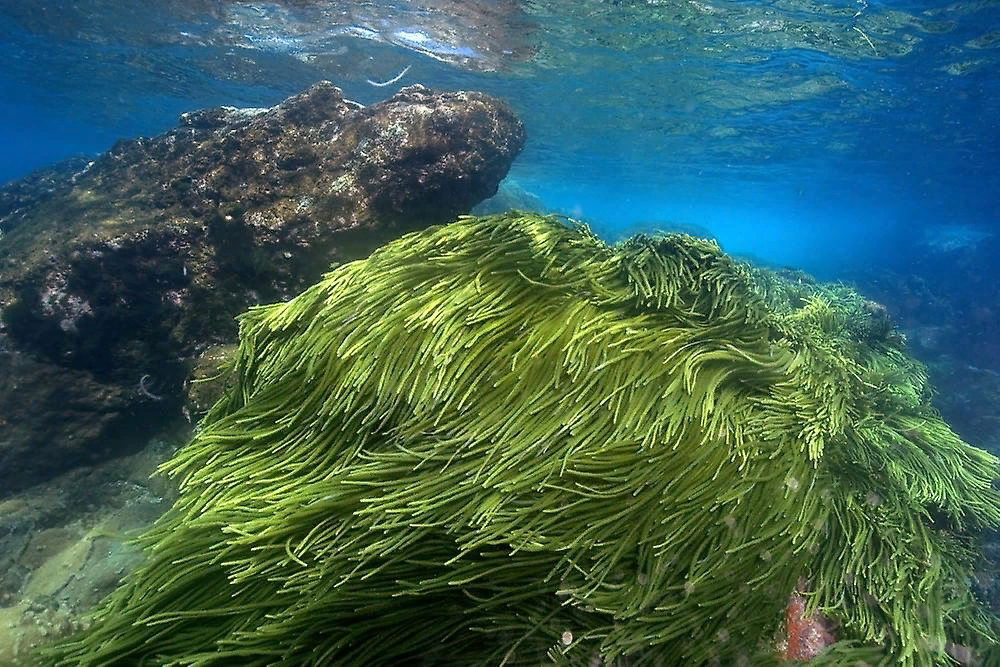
column 502, row 441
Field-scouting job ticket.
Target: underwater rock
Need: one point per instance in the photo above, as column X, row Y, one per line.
column 53, row 418
column 119, row 273
column 950, row 315
column 18, row 198
column 65, row 543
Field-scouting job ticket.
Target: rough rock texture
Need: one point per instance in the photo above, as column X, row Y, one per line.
column 114, row 276
column 66, row 543
column 949, row 308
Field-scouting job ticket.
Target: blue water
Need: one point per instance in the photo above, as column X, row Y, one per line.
column 820, row 135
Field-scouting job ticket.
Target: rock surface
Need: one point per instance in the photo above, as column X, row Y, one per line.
column 950, row 311
column 116, row 275
column 65, row 543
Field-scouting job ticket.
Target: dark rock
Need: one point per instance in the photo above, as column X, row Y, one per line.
column 53, row 418
column 945, row 299
column 115, row 274
column 18, row 197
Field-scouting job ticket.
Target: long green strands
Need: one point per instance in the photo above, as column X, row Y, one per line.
column 502, row 441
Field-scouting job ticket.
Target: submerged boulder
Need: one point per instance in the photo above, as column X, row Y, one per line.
column 114, row 275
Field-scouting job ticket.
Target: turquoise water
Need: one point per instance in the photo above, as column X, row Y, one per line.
column 814, row 134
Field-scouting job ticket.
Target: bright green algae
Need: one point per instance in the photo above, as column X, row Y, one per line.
column 504, row 441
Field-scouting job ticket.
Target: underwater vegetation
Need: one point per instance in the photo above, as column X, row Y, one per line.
column 502, row 441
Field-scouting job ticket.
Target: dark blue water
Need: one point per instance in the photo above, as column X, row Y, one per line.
column 821, row 135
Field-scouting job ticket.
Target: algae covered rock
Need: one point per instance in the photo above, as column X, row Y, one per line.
column 502, row 441
column 114, row 274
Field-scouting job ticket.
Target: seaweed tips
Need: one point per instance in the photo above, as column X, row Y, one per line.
column 502, row 441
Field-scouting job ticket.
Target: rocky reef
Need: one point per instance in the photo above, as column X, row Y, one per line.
column 948, row 311
column 118, row 272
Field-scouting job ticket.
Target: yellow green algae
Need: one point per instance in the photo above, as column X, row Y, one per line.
column 503, row 441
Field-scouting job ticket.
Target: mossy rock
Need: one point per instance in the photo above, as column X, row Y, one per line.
column 209, row 378
column 502, row 441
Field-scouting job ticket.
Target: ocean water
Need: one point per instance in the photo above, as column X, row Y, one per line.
column 856, row 140
column 817, row 134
